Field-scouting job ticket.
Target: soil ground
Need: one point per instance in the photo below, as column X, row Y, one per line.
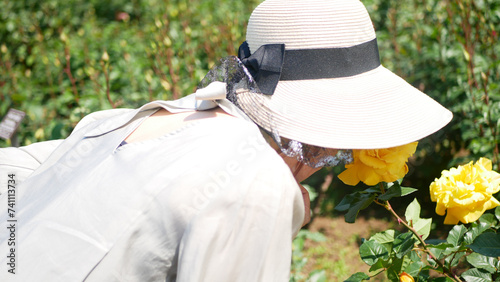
column 338, row 255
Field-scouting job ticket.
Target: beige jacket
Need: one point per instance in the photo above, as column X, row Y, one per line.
column 208, row 202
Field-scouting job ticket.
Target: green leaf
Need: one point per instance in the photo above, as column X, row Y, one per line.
column 442, row 246
column 483, row 262
column 454, row 256
column 476, row 275
column 476, row 229
column 456, row 235
column 363, row 202
column 451, row 250
column 423, row 227
column 378, row 265
column 435, row 242
column 386, row 236
column 442, row 279
column 353, row 203
column 395, row 190
column 407, row 191
column 373, row 189
column 403, row 244
column 358, row 276
column 497, row 211
column 394, row 269
column 371, row 252
column 414, row 268
column 489, row 219
column 413, row 211
column 414, row 256
column 438, row 252
column 487, row 244
column 346, row 202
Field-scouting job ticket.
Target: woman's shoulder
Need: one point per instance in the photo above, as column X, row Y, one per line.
column 242, row 135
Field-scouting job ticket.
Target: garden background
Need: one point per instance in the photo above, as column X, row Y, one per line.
column 61, row 60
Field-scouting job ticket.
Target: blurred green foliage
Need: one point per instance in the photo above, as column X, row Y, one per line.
column 60, row 60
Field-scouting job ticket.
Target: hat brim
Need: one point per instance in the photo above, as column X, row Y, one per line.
column 372, row 110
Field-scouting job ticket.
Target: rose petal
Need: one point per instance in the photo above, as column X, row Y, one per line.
column 371, row 160
column 368, row 175
column 350, row 176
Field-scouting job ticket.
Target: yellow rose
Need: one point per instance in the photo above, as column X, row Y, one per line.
column 405, row 277
column 465, row 192
column 377, row 165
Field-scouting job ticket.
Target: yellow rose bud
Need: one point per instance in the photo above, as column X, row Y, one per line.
column 405, row 277
column 466, row 192
column 377, row 165
column 105, row 56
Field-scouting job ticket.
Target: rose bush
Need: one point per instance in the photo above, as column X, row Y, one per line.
column 466, row 192
column 378, row 165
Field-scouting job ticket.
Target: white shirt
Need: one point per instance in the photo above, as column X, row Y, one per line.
column 208, row 202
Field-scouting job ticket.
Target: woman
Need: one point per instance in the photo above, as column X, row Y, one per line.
column 206, row 188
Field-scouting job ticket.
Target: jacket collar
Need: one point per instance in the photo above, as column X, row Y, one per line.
column 185, row 104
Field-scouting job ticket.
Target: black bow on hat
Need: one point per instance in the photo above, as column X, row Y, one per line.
column 271, row 63
column 264, row 64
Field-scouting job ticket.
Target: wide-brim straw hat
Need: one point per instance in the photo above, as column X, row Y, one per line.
column 367, row 109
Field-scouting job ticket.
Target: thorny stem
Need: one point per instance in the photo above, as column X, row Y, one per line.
column 67, row 70
column 106, row 76
column 388, row 207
